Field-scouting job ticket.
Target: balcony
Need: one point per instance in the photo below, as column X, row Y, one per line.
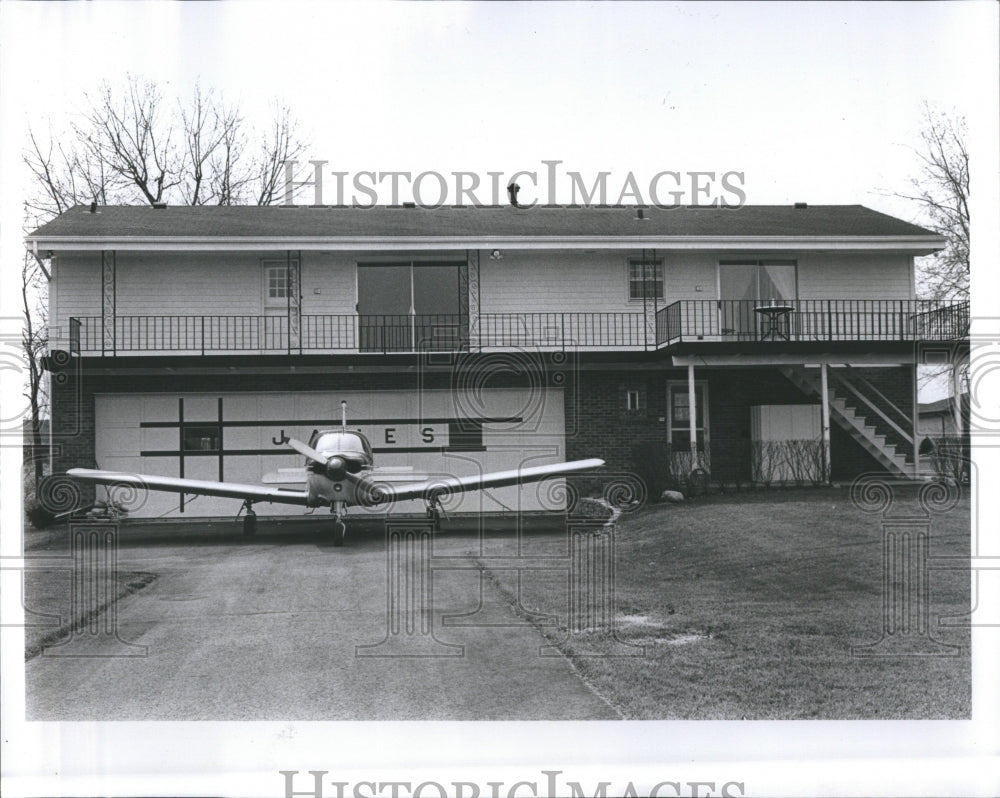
column 683, row 322
column 811, row 321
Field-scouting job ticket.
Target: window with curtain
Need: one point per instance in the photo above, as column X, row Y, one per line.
column 758, row 280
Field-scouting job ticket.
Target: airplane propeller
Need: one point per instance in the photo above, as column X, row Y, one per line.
column 335, row 467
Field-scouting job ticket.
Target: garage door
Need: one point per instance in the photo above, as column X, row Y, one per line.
column 234, row 437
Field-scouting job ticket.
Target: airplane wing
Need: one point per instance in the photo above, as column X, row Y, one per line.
column 378, row 492
column 201, row 487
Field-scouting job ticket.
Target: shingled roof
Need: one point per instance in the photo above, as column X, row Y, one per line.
column 231, row 228
column 311, row 221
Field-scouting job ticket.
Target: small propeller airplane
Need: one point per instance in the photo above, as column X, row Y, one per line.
column 340, row 472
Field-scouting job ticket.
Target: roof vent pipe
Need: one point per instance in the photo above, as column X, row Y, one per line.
column 512, row 190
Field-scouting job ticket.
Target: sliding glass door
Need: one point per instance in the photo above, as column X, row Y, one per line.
column 408, row 306
column 747, row 285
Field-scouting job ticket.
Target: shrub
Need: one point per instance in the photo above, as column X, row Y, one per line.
column 792, row 461
column 950, row 458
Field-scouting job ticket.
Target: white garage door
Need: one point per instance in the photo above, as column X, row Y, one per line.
column 232, row 437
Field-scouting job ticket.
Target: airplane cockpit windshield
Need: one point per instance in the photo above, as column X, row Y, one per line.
column 343, row 442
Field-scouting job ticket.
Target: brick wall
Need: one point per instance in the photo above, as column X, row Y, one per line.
column 602, row 427
column 597, row 421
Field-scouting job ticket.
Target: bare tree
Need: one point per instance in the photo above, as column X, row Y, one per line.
column 941, row 190
column 34, row 342
column 132, row 146
column 281, row 143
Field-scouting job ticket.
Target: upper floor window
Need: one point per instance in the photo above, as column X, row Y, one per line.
column 758, row 280
column 645, row 279
column 276, row 283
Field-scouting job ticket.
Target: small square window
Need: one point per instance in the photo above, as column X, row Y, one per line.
column 277, row 282
column 280, row 280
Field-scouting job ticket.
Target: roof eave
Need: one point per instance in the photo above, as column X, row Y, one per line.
column 915, row 245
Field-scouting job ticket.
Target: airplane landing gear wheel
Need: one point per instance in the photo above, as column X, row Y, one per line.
column 339, row 531
column 250, row 524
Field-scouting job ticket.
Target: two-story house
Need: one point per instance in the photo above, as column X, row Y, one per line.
column 187, row 340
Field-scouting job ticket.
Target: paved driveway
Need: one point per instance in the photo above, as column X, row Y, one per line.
column 270, row 630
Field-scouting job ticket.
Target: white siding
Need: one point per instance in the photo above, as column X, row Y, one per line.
column 855, row 276
column 191, row 285
column 595, row 282
column 78, row 289
column 334, row 276
column 686, row 272
column 554, row 281
column 523, row 281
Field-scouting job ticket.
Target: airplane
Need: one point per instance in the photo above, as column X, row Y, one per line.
column 340, row 472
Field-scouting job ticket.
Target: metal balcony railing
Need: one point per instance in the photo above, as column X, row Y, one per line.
column 681, row 322
column 561, row 330
column 812, row 320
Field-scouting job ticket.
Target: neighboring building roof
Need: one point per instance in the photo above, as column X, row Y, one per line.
column 128, row 226
column 945, row 405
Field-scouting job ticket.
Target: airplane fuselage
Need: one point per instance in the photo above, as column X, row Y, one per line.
column 347, row 455
column 323, row 491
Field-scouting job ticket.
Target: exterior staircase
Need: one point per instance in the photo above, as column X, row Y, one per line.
column 865, row 414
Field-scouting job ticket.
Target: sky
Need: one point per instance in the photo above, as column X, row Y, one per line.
column 811, row 102
column 807, row 102
column 814, row 102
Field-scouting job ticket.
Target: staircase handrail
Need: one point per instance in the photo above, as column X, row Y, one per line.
column 847, row 384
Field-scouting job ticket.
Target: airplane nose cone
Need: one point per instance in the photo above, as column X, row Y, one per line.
column 336, row 468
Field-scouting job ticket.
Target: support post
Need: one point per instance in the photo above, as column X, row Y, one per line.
column 109, row 309
column 916, row 426
column 693, row 417
column 956, row 398
column 825, row 399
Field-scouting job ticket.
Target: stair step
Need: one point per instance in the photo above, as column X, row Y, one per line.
column 853, row 419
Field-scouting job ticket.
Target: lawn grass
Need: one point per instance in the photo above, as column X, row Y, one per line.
column 748, row 606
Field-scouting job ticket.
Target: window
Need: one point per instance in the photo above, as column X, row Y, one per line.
column 631, row 400
column 757, row 280
column 645, row 279
column 201, row 439
column 277, row 282
column 679, row 415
